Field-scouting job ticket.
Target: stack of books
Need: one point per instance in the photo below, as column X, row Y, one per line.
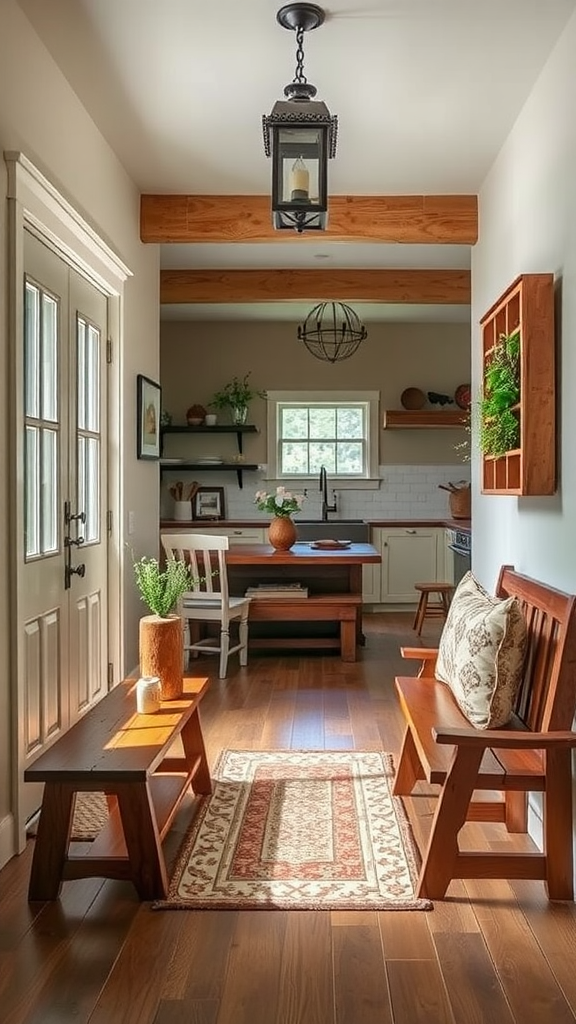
column 277, row 590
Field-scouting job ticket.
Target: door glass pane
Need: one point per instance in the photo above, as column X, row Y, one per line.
column 88, row 342
column 49, row 492
column 92, row 499
column 31, row 491
column 49, row 322
column 32, row 351
column 88, row 431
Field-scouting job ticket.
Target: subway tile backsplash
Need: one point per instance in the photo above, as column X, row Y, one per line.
column 405, row 492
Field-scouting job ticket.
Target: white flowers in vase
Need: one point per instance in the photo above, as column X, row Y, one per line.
column 283, row 503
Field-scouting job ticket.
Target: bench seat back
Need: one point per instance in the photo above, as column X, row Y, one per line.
column 547, row 695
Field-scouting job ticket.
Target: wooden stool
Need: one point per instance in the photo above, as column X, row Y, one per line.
column 439, row 609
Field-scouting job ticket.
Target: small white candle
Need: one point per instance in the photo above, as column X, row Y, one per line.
column 300, row 180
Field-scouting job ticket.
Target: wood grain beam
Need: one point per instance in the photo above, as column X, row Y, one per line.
column 412, row 219
column 398, row 286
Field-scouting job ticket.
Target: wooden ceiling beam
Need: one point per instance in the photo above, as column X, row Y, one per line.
column 433, row 220
column 390, row 286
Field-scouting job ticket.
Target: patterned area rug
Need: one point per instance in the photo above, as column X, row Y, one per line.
column 301, row 830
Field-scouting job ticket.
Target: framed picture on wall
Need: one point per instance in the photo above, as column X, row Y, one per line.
column 208, row 503
column 148, row 398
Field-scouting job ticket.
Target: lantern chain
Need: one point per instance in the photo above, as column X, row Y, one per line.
column 300, row 76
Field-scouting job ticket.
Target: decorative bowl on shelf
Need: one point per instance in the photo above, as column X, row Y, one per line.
column 463, row 397
column 413, row 398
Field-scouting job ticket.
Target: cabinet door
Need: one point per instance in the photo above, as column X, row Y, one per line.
column 371, row 582
column 447, row 570
column 409, row 556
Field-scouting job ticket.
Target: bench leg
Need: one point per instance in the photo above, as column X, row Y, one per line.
column 409, row 769
column 558, row 825
column 516, row 811
column 441, row 861
column 51, row 843
column 193, row 744
column 147, row 866
column 348, row 639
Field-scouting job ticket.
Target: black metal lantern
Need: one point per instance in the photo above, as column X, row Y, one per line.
column 332, row 331
column 300, row 136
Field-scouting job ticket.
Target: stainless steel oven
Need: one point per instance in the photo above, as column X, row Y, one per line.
column 460, row 543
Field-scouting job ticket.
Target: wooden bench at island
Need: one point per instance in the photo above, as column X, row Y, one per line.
column 531, row 754
column 127, row 756
column 341, row 608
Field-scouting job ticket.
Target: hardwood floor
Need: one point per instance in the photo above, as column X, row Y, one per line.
column 491, row 953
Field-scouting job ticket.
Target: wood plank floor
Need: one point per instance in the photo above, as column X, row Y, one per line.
column 491, row 953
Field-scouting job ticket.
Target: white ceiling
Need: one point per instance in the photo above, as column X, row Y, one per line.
column 425, row 91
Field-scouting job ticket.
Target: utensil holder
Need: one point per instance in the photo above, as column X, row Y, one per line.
column 183, row 511
column 460, row 503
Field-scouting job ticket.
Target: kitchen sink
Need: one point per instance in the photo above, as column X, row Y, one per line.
column 355, row 530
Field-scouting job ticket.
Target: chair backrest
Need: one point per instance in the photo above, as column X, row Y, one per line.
column 205, row 553
column 547, row 695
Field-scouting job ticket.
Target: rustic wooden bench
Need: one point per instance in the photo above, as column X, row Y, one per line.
column 531, row 754
column 342, row 608
column 127, row 756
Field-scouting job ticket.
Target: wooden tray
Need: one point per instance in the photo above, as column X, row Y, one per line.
column 330, row 545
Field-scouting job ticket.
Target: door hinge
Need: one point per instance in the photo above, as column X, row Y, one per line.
column 109, row 350
column 110, row 675
column 109, row 520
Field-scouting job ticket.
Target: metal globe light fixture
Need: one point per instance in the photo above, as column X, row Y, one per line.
column 332, row 331
column 300, row 136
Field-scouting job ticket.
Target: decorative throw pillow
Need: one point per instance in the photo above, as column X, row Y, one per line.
column 481, row 653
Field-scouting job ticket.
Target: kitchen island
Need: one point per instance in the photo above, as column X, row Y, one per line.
column 331, row 615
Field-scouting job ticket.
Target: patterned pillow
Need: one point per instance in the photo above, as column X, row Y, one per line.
column 481, row 653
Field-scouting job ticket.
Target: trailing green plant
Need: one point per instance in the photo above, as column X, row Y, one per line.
column 236, row 394
column 161, row 589
column 499, row 422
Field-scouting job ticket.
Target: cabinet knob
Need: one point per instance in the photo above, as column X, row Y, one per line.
column 411, row 531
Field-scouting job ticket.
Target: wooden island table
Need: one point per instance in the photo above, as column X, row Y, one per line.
column 334, row 581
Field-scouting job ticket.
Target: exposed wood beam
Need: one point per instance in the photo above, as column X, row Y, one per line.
column 414, row 286
column 413, row 219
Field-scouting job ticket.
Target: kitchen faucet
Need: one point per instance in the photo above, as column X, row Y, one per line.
column 326, row 508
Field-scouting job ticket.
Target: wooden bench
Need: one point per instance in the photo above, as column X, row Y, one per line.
column 127, row 756
column 342, row 608
column 531, row 754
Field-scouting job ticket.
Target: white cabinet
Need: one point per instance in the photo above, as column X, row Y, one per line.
column 448, row 567
column 409, row 555
column 371, row 582
column 237, row 534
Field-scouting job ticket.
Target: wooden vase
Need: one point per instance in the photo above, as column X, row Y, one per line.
column 161, row 652
column 282, row 533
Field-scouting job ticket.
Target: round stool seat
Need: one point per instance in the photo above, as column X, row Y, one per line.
column 436, row 609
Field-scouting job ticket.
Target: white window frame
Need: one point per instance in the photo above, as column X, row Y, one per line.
column 371, row 480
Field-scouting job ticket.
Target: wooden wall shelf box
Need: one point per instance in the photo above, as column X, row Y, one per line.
column 527, row 306
column 227, row 429
column 424, row 419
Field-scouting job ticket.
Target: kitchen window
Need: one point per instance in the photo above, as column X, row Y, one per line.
column 338, row 430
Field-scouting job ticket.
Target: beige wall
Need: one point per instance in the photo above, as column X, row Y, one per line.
column 41, row 116
column 196, row 359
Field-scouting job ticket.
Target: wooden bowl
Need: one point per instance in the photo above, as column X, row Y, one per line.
column 413, row 398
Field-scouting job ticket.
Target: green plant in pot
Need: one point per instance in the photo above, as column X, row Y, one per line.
column 236, row 396
column 499, row 423
column 161, row 640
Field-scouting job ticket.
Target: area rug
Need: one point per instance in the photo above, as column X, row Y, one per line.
column 298, row 830
column 90, row 816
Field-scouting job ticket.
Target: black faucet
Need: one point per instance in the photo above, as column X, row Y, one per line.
column 326, row 508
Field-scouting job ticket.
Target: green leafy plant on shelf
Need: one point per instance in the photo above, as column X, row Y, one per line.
column 499, row 421
column 236, row 396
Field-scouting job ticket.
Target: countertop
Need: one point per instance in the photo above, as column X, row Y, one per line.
column 201, row 524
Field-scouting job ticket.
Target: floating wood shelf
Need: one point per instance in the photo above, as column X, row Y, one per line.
column 238, row 467
column 424, row 419
column 527, row 306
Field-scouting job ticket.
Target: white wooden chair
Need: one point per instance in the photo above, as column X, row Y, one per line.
column 209, row 600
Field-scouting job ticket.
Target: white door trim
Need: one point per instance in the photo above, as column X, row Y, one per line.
column 36, row 204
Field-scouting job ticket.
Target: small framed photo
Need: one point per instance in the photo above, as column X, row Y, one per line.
column 208, row 503
column 148, row 402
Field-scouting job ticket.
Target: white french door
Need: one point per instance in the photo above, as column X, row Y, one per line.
column 61, row 621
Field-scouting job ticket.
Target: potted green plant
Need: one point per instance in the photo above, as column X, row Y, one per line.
column 161, row 640
column 236, row 396
column 499, row 421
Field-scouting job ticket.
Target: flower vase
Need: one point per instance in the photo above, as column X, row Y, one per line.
column 239, row 415
column 282, row 533
column 161, row 652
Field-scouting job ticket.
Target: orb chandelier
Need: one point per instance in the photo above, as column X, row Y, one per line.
column 332, row 331
column 300, row 136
